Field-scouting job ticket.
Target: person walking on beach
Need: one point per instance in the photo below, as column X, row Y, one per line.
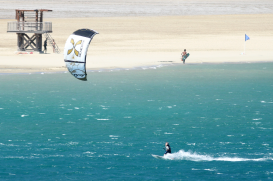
column 45, row 45
column 167, row 148
column 184, row 56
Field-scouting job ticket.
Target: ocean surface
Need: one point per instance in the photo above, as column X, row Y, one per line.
column 216, row 117
column 106, row 8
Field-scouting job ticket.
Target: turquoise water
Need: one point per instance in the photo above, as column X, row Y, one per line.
column 216, row 117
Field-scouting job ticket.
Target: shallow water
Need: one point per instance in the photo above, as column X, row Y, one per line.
column 106, row 8
column 216, row 117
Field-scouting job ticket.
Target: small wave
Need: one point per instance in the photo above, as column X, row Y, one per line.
column 183, row 155
column 128, row 117
column 113, row 136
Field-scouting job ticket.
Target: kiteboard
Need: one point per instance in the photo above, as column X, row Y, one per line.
column 158, row 156
column 185, row 57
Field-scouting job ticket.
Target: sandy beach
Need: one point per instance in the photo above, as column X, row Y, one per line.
column 127, row 42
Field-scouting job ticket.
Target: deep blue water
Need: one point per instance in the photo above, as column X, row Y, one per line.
column 216, row 117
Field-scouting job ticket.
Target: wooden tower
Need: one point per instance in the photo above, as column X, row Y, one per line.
column 30, row 22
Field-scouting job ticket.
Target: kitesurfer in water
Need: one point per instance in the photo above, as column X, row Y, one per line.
column 167, row 148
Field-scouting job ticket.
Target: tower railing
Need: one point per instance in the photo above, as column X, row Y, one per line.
column 29, row 27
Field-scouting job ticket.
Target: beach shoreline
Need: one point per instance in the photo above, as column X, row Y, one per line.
column 27, row 70
column 128, row 42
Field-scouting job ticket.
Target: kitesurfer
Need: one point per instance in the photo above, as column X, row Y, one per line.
column 184, row 56
column 167, row 148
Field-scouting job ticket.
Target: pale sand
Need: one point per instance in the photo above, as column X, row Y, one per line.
column 126, row 42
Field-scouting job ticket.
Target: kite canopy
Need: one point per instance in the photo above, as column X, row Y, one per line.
column 75, row 51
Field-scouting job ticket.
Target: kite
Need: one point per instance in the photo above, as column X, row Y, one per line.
column 75, row 51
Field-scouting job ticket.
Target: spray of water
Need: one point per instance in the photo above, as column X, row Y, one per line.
column 183, row 155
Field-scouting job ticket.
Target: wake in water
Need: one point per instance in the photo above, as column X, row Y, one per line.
column 182, row 155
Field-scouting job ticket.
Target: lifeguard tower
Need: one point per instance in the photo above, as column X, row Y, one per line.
column 31, row 21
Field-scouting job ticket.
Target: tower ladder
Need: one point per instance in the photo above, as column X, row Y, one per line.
column 55, row 46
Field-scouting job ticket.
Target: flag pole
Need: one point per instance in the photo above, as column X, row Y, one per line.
column 245, row 45
column 246, row 38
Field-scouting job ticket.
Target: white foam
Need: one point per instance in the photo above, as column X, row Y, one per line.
column 264, row 128
column 182, row 155
column 257, row 123
column 113, row 136
column 73, row 143
column 88, row 152
column 257, row 119
column 208, row 169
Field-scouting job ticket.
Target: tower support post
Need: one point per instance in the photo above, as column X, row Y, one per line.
column 20, row 42
column 33, row 43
